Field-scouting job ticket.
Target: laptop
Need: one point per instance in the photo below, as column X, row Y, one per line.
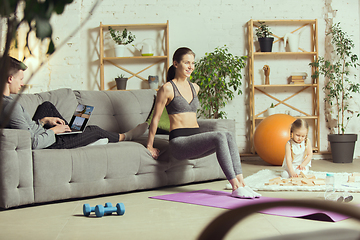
column 80, row 119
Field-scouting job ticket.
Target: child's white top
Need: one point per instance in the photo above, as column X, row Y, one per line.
column 299, row 152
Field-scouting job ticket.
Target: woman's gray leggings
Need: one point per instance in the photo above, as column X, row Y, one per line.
column 206, row 143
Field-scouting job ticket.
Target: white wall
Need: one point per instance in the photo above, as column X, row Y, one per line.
column 201, row 25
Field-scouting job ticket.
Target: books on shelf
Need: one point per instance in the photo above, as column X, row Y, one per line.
column 298, row 78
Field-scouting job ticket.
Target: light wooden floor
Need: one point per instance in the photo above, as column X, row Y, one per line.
column 155, row 219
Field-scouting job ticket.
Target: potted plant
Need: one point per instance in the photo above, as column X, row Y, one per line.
column 263, row 34
column 271, row 109
column 121, row 81
column 339, row 90
column 219, row 75
column 121, row 38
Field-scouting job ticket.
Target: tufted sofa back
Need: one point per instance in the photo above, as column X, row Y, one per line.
column 116, row 111
column 63, row 99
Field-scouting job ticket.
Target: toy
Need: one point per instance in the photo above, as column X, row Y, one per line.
column 119, row 209
column 302, row 180
column 266, row 69
column 270, row 138
column 87, row 209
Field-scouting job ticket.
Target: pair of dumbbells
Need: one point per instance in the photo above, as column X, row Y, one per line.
column 101, row 210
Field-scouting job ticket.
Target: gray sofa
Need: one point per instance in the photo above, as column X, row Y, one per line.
column 35, row 176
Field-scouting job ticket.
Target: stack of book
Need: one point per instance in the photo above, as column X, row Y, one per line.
column 298, row 78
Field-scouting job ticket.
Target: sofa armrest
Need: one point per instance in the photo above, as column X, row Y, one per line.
column 210, row 125
column 16, row 168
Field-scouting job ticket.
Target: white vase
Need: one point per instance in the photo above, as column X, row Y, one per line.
column 119, row 50
column 271, row 111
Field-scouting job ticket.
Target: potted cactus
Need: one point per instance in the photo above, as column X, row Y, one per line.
column 121, row 81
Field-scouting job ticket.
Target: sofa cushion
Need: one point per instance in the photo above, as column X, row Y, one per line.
column 63, row 99
column 95, row 170
column 164, row 122
column 117, row 111
column 16, row 170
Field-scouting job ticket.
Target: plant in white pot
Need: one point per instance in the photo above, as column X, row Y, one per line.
column 263, row 34
column 339, row 90
column 271, row 110
column 121, row 38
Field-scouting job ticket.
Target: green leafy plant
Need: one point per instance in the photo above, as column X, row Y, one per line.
column 219, row 75
column 122, row 38
column 35, row 14
column 263, row 30
column 121, row 76
column 339, row 88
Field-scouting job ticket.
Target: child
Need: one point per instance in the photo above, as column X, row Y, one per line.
column 298, row 150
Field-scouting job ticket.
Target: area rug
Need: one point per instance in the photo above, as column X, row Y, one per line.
column 257, row 182
column 220, row 199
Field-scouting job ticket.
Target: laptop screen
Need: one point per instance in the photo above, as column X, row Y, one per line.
column 81, row 117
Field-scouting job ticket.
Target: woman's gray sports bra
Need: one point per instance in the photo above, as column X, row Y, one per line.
column 179, row 104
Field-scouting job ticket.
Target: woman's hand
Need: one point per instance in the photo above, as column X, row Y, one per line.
column 154, row 152
column 61, row 129
column 52, row 121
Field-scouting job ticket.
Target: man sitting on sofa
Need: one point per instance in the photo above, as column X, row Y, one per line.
column 47, row 121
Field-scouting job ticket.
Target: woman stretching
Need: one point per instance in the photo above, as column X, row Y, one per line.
column 179, row 96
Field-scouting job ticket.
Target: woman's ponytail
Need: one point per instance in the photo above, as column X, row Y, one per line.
column 171, row 73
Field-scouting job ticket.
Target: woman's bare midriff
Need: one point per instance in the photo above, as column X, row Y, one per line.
column 183, row 120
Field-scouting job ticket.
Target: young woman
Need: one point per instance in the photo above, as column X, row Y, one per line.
column 179, row 96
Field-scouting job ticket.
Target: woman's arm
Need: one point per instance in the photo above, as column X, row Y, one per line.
column 160, row 103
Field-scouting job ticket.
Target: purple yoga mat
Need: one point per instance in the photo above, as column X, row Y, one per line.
column 221, row 199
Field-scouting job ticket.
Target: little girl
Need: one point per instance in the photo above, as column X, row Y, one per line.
column 298, row 150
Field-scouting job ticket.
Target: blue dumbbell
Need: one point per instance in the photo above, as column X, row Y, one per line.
column 100, row 210
column 87, row 209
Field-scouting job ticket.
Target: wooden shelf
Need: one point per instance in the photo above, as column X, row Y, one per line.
column 285, row 85
column 298, row 89
column 137, row 26
column 287, row 21
column 302, row 117
column 154, row 60
column 136, row 58
column 284, row 53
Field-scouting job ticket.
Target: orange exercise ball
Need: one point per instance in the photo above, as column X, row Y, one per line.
column 270, row 138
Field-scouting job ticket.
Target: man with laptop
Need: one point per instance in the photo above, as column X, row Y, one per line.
column 47, row 127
